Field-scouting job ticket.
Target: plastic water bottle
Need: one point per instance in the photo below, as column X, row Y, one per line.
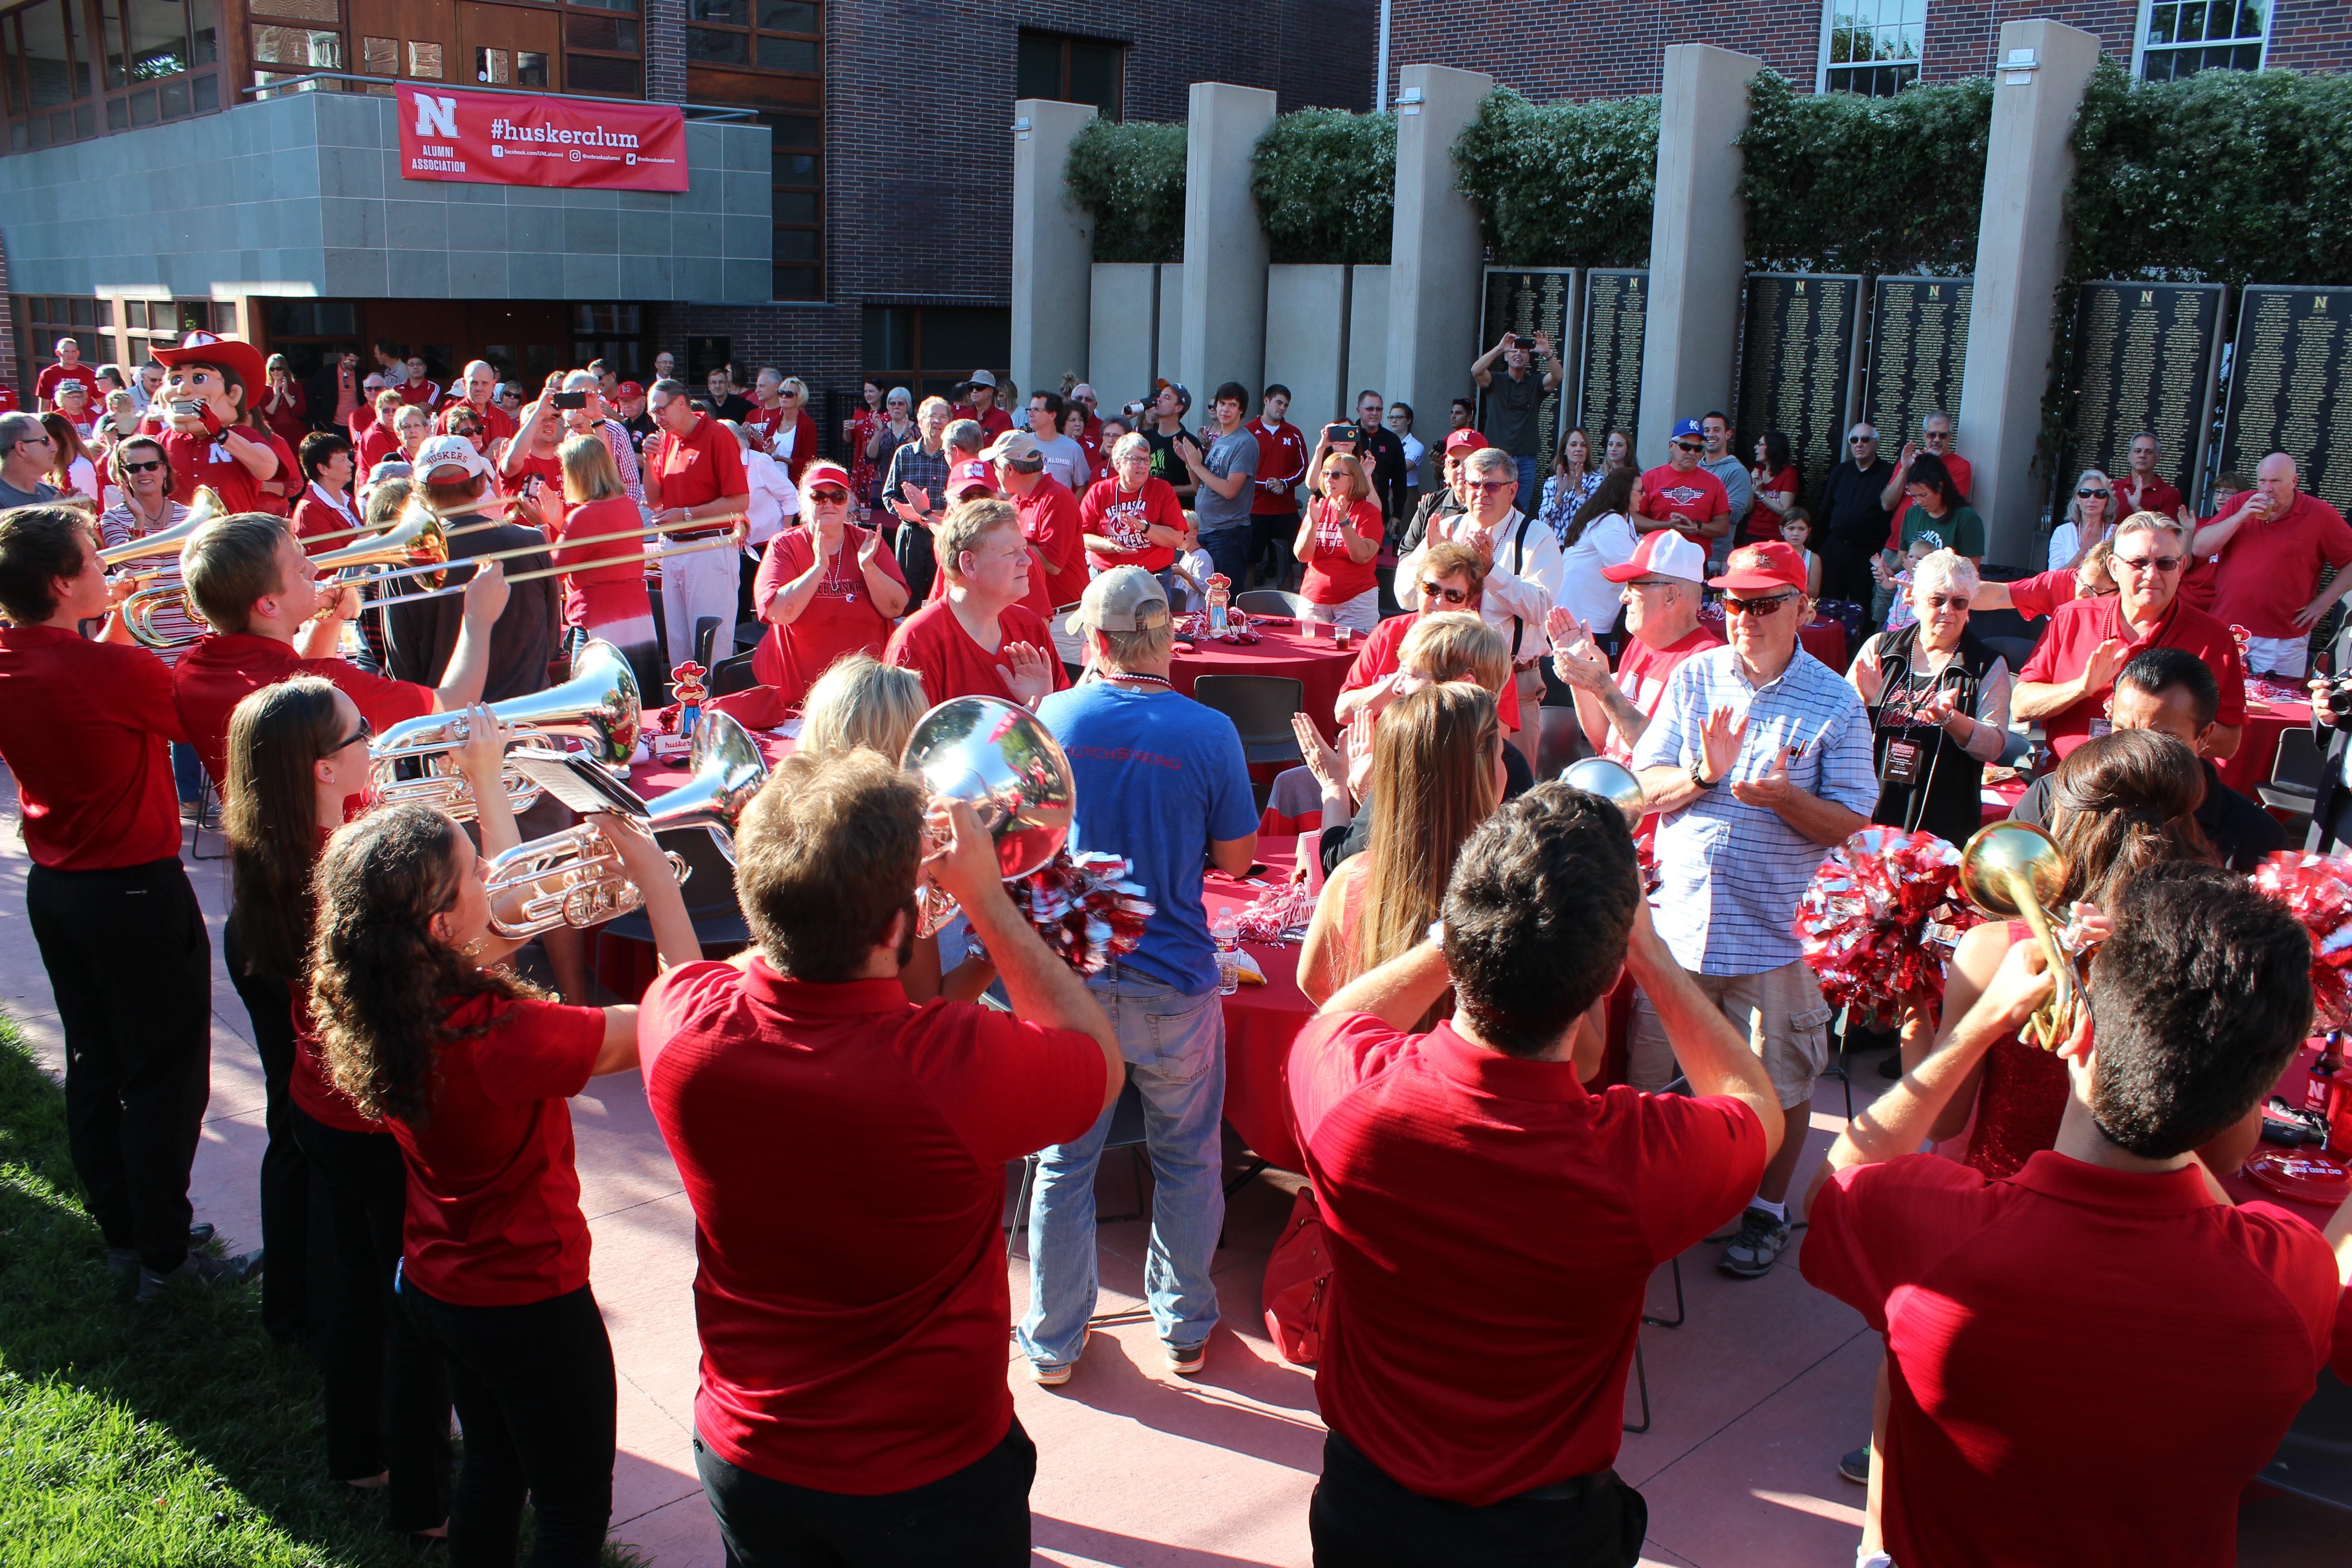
column 1226, row 932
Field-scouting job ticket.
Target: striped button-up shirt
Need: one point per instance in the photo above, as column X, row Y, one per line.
column 1733, row 872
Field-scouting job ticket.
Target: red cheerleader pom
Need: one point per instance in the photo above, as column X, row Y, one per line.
column 1877, row 919
column 2317, row 890
column 1084, row 908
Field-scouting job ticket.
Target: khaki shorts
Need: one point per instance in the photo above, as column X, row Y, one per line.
column 1786, row 1020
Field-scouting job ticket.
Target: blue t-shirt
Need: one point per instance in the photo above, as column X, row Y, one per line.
column 1160, row 776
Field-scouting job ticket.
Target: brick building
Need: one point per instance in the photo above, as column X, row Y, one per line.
column 235, row 164
column 1611, row 48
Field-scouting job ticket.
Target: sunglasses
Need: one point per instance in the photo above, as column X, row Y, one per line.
column 1861, row 440
column 1692, row 446
column 1488, row 484
column 2151, row 564
column 830, row 495
column 356, row 737
column 1948, row 601
column 1451, row 595
column 146, row 467
column 2091, row 495
column 1757, row 607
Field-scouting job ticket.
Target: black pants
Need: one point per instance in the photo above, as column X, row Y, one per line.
column 918, row 562
column 976, row 1518
column 387, row 1392
column 1360, row 1517
column 131, row 963
column 285, row 1172
column 1271, row 534
column 535, row 1394
column 1845, row 572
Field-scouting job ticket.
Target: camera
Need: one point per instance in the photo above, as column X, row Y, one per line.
column 568, row 399
column 1521, row 340
column 1339, row 431
column 188, row 410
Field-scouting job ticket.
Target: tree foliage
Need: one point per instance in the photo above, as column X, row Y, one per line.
column 1563, row 185
column 1131, row 176
column 1325, row 182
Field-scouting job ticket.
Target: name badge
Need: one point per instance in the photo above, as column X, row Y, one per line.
column 1903, row 762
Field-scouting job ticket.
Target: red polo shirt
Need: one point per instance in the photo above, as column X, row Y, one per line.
column 1050, row 521
column 82, row 726
column 867, row 1355
column 2075, row 630
column 840, row 619
column 493, row 1217
column 497, row 423
column 1642, row 672
column 700, row 466
column 2041, row 593
column 548, row 470
column 996, row 421
column 1962, row 473
column 933, row 644
column 218, row 674
column 199, row 460
column 2270, row 570
column 2155, row 497
column 1108, row 513
column 425, row 394
column 1397, row 1130
column 376, row 444
column 2086, row 1365
column 1377, row 659
column 1695, row 498
column 315, row 514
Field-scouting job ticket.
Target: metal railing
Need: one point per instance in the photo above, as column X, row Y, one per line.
column 708, row 112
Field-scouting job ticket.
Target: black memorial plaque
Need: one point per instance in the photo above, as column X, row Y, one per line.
column 1529, row 300
column 2143, row 360
column 1796, row 367
column 1609, row 367
column 1918, row 354
column 2290, row 389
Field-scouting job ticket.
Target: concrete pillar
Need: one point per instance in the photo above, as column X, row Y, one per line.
column 1222, row 335
column 1053, row 246
column 1170, row 343
column 1698, row 244
column 1306, row 337
column 1437, row 254
column 2020, row 250
column 1123, row 331
column 1368, row 343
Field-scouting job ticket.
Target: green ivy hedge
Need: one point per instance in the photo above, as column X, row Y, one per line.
column 1839, row 183
column 1132, row 175
column 1325, row 182
column 1563, row 185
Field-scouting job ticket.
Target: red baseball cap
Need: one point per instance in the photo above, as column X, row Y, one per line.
column 1464, row 441
column 972, row 474
column 1774, row 564
column 824, row 470
column 628, row 389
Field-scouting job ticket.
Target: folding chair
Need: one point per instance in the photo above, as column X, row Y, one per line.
column 2296, row 773
column 1272, row 602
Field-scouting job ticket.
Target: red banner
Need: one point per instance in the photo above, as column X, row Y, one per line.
column 522, row 138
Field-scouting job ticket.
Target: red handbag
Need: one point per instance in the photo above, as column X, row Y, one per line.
column 1299, row 1284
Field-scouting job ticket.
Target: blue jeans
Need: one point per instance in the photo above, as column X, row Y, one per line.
column 187, row 773
column 1229, row 548
column 1175, row 1051
column 1529, row 491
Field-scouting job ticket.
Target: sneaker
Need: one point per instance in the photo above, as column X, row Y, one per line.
column 1186, row 1359
column 123, row 1262
column 1855, row 1467
column 1051, row 1374
column 190, row 809
column 199, row 1269
column 1761, row 1240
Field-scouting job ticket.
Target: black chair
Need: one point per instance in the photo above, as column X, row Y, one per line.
column 747, row 635
column 2296, row 774
column 208, row 803
column 2314, row 1459
column 1126, row 1132
column 733, row 674
column 1272, row 602
column 706, row 632
column 1260, row 707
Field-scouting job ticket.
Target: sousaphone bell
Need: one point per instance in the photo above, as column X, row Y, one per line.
column 995, row 757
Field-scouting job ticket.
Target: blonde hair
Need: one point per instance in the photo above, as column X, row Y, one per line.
column 2074, row 503
column 589, row 471
column 1129, row 446
column 1450, row 646
column 1360, row 487
column 1944, row 570
column 861, row 701
column 387, row 399
column 422, row 418
column 1433, row 785
column 966, row 524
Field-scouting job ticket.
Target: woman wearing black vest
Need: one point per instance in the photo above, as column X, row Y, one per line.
column 1939, row 702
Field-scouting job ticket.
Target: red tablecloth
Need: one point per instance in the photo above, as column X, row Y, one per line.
column 2251, row 766
column 1311, row 661
column 2000, row 799
column 2291, row 1086
column 1825, row 640
column 1260, row 1021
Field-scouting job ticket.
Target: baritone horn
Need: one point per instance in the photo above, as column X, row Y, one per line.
column 1612, row 782
column 598, row 708
column 2012, row 869
column 997, row 757
column 575, row 878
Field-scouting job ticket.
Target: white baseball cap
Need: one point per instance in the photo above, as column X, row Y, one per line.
column 1662, row 553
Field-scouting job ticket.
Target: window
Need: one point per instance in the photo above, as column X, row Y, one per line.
column 930, row 349
column 601, row 50
column 1872, row 47
column 615, row 335
column 2181, row 37
column 1071, row 71
column 797, row 194
column 756, row 35
column 46, row 57
column 147, row 61
column 42, row 320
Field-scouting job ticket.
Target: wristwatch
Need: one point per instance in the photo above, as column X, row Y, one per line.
column 1699, row 775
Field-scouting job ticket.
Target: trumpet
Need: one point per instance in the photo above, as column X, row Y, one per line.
column 2014, row 869
column 575, row 878
column 169, row 540
column 598, row 706
column 998, row 759
column 1612, row 782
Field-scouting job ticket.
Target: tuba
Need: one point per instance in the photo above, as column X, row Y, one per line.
column 598, row 706
column 1612, row 782
column 2013, row 868
column 997, row 757
column 574, row 878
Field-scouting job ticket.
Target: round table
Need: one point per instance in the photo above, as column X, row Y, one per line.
column 1313, row 662
column 1260, row 1021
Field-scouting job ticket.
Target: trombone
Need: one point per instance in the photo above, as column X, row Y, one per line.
column 599, row 708
column 436, row 569
column 169, row 540
column 2012, row 869
column 575, row 878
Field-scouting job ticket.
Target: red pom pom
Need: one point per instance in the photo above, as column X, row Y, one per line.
column 1084, row 908
column 1877, row 920
column 2317, row 890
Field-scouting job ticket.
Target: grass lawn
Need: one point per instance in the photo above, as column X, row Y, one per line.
column 174, row 1434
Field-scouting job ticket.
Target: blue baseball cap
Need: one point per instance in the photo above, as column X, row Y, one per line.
column 1684, row 427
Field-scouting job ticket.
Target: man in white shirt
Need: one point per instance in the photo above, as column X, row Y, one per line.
column 1064, row 458
column 1522, row 560
column 591, row 418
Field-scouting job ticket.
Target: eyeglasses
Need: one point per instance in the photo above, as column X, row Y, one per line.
column 2151, row 564
column 1948, row 601
column 1861, row 440
column 1692, row 446
column 1486, row 484
column 2091, row 495
column 1451, row 595
column 355, row 738
column 1757, row 607
column 830, row 495
column 1655, row 582
column 146, row 467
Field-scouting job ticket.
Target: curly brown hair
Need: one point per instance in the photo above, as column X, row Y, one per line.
column 381, row 983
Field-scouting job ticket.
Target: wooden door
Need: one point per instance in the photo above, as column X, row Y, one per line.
column 411, row 39
column 510, row 46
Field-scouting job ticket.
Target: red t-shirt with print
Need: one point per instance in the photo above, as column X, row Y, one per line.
column 1330, row 576
column 1107, row 512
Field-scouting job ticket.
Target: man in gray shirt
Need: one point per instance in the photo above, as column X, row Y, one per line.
column 1064, row 458
column 1222, row 502
column 1512, row 401
column 1718, row 459
column 26, row 454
